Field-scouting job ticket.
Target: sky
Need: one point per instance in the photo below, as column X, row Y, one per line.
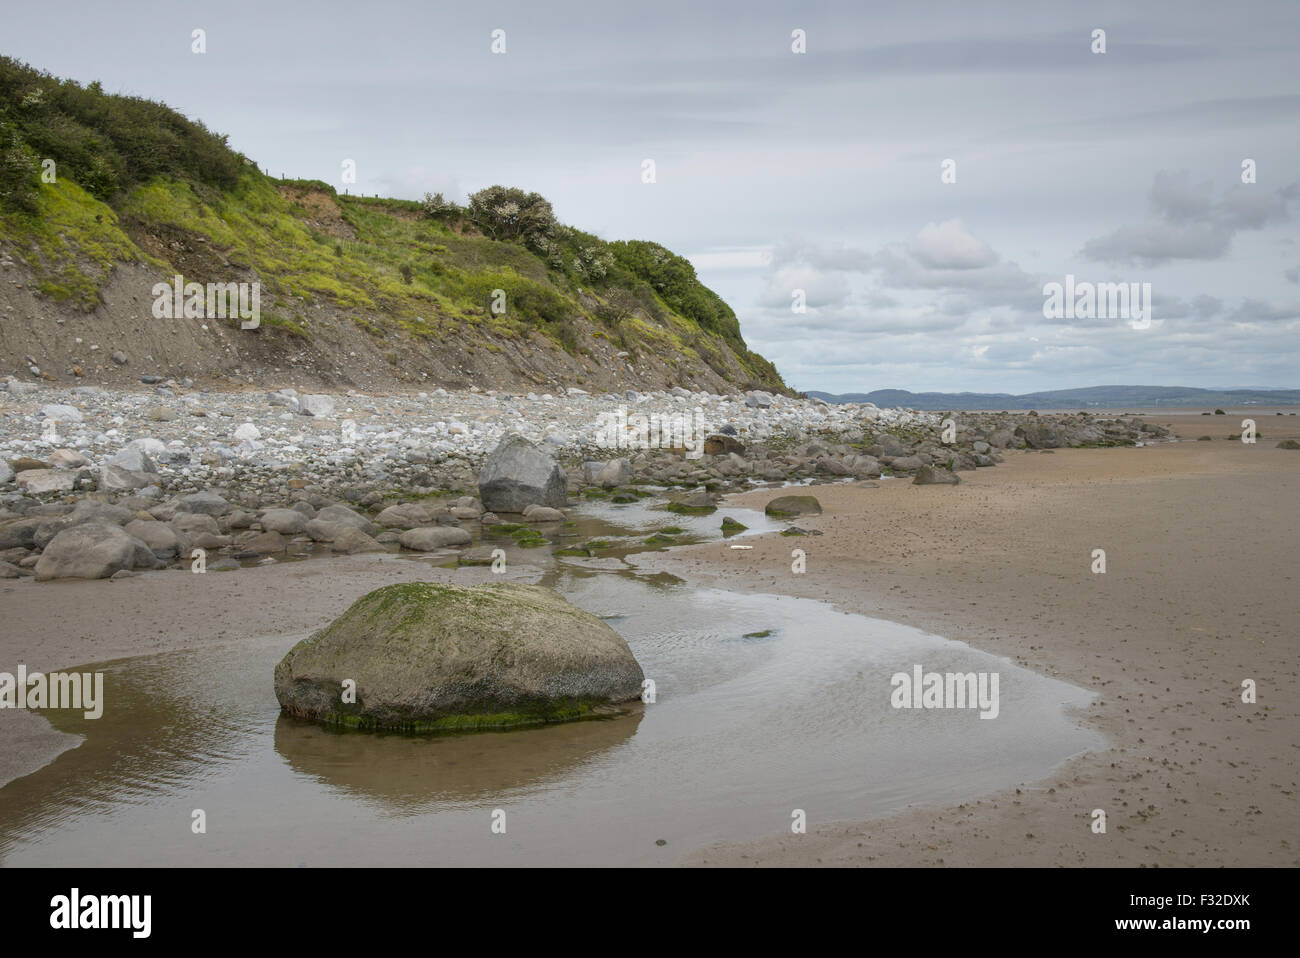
column 812, row 190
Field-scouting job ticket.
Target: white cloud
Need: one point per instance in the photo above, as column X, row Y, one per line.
column 948, row 245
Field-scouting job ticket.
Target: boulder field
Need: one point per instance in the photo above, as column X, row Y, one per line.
column 260, row 478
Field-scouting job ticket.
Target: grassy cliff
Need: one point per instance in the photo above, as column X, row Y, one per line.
column 103, row 195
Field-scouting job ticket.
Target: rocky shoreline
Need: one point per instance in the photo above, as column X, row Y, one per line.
column 96, row 483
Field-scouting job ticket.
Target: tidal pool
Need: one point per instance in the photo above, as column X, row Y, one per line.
column 743, row 731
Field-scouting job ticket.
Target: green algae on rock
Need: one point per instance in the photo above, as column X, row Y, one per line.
column 730, row 526
column 424, row 657
column 787, row 507
column 696, row 503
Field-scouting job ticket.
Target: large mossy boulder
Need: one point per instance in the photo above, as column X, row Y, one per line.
column 427, row 658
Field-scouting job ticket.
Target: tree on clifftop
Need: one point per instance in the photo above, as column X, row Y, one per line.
column 508, row 213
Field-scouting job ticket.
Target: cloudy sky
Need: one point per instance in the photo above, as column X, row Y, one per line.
column 820, row 171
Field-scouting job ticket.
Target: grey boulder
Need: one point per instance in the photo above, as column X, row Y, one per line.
column 342, row 514
column 87, row 510
column 351, row 540
column 435, row 537
column 206, row 503
column 934, row 476
column 518, row 474
column 162, row 539
column 288, row 522
column 116, row 479
column 93, row 551
column 134, row 459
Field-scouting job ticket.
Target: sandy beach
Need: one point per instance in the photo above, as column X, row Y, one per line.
column 1199, row 595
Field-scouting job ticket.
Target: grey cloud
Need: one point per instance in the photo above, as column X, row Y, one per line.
column 1186, row 222
column 1258, row 311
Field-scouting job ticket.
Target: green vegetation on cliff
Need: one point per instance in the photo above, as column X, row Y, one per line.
column 90, row 180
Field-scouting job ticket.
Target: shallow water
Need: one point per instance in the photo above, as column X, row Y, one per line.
column 743, row 731
column 624, row 525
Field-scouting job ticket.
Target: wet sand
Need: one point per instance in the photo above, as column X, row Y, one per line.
column 1200, row 593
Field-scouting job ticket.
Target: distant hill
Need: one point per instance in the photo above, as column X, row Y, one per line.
column 104, row 196
column 1101, row 397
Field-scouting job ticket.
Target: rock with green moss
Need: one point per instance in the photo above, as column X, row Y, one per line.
column 696, row 503
column 787, row 507
column 730, row 526
column 425, row 657
column 1288, row 444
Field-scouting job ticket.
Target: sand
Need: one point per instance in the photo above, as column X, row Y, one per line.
column 1200, row 593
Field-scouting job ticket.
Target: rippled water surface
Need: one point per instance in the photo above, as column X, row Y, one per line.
column 744, row 730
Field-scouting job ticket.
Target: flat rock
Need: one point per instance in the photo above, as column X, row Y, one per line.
column 352, row 540
column 409, row 515
column 60, row 412
column 206, row 502
column 543, row 514
column 68, row 459
column 787, row 506
column 341, row 513
column 41, row 482
column 935, row 476
column 434, row 537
